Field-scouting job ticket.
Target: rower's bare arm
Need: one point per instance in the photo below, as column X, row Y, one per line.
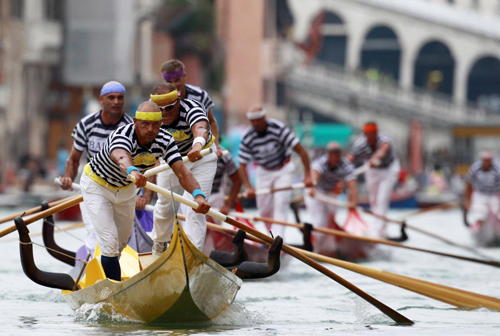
column 299, row 149
column 124, row 160
column 214, row 127
column 353, row 194
column 148, row 194
column 467, row 195
column 189, row 183
column 249, row 190
column 379, row 154
column 71, row 169
column 233, row 193
column 200, row 129
column 350, row 157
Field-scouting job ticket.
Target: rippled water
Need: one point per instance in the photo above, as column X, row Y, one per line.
column 298, row 300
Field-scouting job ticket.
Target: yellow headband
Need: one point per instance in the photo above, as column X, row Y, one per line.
column 164, row 99
column 151, row 116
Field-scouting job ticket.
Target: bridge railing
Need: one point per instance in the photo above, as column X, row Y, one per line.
column 332, row 81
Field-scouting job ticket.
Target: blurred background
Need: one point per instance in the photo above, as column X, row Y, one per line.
column 427, row 71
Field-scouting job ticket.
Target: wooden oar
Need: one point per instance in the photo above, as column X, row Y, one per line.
column 33, row 210
column 335, row 202
column 68, row 204
column 185, row 159
column 443, row 206
column 397, row 317
column 457, row 297
column 265, row 191
column 365, row 239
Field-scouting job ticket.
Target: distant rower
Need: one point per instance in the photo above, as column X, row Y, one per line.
column 269, row 143
column 377, row 149
column 483, row 188
column 327, row 171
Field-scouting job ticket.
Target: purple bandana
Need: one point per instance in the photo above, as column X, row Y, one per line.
column 172, row 75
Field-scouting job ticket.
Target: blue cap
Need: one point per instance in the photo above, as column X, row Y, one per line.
column 111, row 87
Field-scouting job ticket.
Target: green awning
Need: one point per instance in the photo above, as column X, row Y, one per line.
column 322, row 133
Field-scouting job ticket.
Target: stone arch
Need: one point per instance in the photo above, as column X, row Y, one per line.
column 483, row 84
column 334, row 39
column 381, row 51
column 434, row 68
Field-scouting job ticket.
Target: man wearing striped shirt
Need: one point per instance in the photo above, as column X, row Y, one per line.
column 110, row 196
column 328, row 171
column 269, row 143
column 174, row 72
column 90, row 136
column 482, row 190
column 188, row 123
column 376, row 150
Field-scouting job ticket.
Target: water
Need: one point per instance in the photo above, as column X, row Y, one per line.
column 296, row 301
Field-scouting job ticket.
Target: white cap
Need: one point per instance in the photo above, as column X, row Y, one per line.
column 486, row 154
column 252, row 115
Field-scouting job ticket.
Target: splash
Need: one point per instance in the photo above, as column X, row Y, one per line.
column 367, row 314
column 238, row 315
column 101, row 312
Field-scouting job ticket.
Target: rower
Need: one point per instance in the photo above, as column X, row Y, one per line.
column 268, row 142
column 376, row 149
column 225, row 167
column 90, row 136
column 328, row 171
column 482, row 188
column 188, row 123
column 110, row 196
column 174, row 72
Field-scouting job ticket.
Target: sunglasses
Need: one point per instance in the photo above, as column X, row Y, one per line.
column 168, row 107
column 335, row 151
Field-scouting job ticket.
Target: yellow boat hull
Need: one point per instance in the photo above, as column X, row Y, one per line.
column 161, row 292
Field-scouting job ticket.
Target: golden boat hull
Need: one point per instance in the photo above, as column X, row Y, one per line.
column 161, row 292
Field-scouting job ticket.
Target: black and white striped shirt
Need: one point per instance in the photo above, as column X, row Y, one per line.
column 269, row 149
column 363, row 152
column 190, row 112
column 200, row 95
column 487, row 182
column 329, row 178
column 225, row 165
column 90, row 133
column 143, row 157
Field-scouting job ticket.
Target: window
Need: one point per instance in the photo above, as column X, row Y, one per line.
column 54, row 10
column 17, row 8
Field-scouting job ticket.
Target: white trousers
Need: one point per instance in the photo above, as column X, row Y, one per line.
column 320, row 213
column 275, row 205
column 111, row 213
column 380, row 183
column 90, row 239
column 195, row 225
column 482, row 204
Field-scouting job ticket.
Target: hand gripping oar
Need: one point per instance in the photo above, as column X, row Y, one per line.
column 454, row 296
column 397, row 317
column 335, row 202
column 67, row 204
column 33, row 210
column 366, row 239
